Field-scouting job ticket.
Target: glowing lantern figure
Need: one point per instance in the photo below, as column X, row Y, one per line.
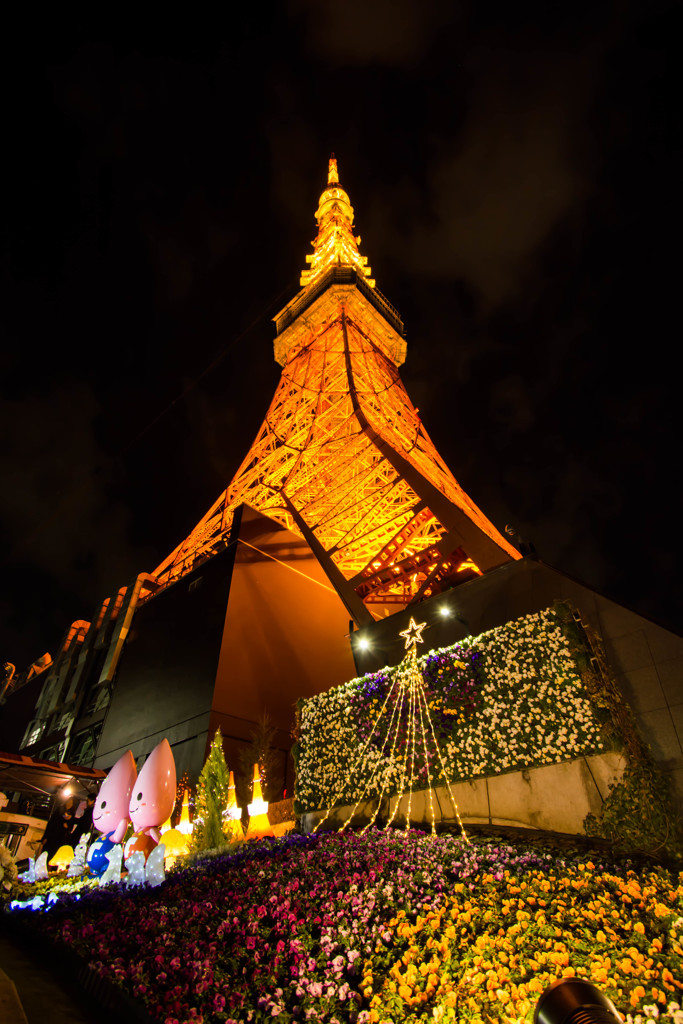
column 114, row 861
column 154, row 792
column 176, row 844
column 135, row 866
column 62, row 858
column 77, row 865
column 233, row 813
column 29, row 875
column 259, row 826
column 155, row 869
column 40, row 871
column 148, row 870
column 185, row 825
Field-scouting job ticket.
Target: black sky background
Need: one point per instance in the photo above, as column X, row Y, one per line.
column 514, row 174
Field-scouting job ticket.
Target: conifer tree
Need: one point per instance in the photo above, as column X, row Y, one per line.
column 211, row 800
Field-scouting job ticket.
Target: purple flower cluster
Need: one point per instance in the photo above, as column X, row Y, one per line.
column 367, row 700
column 452, row 682
column 453, row 679
column 278, row 929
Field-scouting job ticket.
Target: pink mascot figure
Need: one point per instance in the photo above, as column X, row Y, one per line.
column 153, row 799
column 110, row 813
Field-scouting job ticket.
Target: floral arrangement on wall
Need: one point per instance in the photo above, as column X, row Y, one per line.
column 509, row 699
column 385, row 926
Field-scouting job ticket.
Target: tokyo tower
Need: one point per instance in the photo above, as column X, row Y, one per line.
column 342, row 458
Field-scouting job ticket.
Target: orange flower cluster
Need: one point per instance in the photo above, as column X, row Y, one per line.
column 500, row 941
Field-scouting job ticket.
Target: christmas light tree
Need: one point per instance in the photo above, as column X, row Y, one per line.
column 405, row 733
column 211, row 800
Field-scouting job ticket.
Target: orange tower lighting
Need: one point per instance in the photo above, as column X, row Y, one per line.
column 342, row 457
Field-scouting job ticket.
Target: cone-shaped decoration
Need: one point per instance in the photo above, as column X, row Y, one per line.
column 232, row 810
column 256, row 792
column 259, row 826
column 232, row 814
column 185, row 825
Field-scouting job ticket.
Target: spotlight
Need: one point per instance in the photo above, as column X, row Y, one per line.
column 444, row 611
column 573, row 1001
column 363, row 644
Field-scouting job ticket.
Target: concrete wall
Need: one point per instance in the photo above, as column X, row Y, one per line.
column 286, row 630
column 285, row 637
column 554, row 798
column 645, row 659
column 248, row 631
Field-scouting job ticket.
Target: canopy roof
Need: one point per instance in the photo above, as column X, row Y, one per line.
column 19, row 773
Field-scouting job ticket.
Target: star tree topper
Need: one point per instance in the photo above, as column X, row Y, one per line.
column 413, row 634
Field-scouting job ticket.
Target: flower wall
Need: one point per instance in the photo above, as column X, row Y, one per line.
column 509, row 699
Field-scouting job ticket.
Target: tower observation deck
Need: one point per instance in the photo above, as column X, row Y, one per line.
column 342, row 458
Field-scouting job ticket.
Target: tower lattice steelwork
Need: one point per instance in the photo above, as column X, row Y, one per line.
column 342, row 457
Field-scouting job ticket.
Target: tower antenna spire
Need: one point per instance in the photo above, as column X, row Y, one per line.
column 335, row 245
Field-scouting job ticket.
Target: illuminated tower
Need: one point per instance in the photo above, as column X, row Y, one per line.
column 342, row 458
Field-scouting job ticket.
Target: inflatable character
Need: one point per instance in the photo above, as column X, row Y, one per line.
column 110, row 813
column 154, row 792
column 140, row 843
column 98, row 855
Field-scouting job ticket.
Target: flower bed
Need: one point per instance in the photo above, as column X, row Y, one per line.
column 509, row 699
column 382, row 927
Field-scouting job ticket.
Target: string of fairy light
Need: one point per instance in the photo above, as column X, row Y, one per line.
column 406, row 693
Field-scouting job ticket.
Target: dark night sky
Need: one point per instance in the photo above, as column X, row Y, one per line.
column 514, row 174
